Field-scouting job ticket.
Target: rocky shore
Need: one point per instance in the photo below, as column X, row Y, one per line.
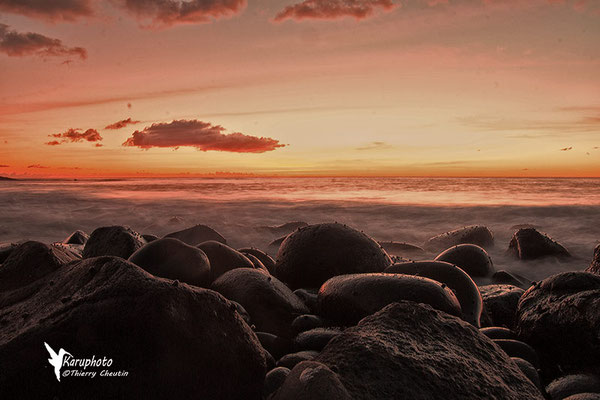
column 333, row 314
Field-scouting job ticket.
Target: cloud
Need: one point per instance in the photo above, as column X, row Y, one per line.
column 51, row 10
column 201, row 135
column 4, row 166
column 375, row 146
column 166, row 13
column 121, row 124
column 75, row 135
column 16, row 44
column 36, row 166
column 566, row 148
column 333, row 9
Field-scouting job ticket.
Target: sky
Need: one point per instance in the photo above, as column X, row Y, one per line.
column 92, row 88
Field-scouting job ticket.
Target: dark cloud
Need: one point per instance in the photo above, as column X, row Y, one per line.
column 166, row 13
column 201, row 135
column 53, row 10
column 375, row 146
column 36, row 166
column 121, row 124
column 4, row 166
column 75, row 135
column 566, row 148
column 17, row 44
column 333, row 9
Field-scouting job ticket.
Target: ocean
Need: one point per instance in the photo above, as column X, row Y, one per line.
column 399, row 209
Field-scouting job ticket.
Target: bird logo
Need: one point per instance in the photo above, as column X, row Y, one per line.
column 56, row 360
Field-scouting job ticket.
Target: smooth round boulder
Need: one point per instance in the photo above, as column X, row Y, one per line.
column 283, row 229
column 307, row 322
column 264, row 258
column 313, row 254
column 529, row 244
column 292, row 359
column 501, row 303
column 223, row 258
column 595, row 265
column 257, row 263
column 274, row 380
column 458, row 281
column 311, row 380
column 516, row 348
column 471, row 258
column 584, row 396
column 474, row 234
column 172, row 259
column 6, row 249
column 272, row 305
column 118, row 241
column 559, row 317
column 498, row 332
column 529, row 370
column 149, row 237
column 314, row 339
column 197, row 234
column 275, row 345
column 570, row 385
column 401, row 249
column 77, row 237
column 346, row 299
column 309, row 297
column 503, row 277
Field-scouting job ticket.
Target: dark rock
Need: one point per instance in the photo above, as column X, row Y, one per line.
column 584, row 396
column 529, row 370
column 290, row 360
column 498, row 332
column 347, row 299
column 241, row 311
column 171, row 258
column 77, row 237
column 529, row 244
column 401, row 248
column 264, row 258
column 311, row 255
column 501, row 303
column 223, row 258
column 274, row 380
column 118, row 241
column 314, row 339
column 257, row 264
column 559, row 317
column 283, row 229
column 569, row 385
column 412, row 351
column 73, row 250
column 309, row 297
column 503, row 277
column 6, row 249
column 275, row 244
column 271, row 363
column 149, row 238
column 311, row 380
column 307, row 322
column 173, row 340
column 197, row 234
column 277, row 346
column 595, row 265
column 29, row 262
column 475, row 234
column 516, row 348
column 471, row 258
column 458, row 281
column 272, row 305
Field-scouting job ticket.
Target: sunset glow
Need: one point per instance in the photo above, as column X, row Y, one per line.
column 300, row 88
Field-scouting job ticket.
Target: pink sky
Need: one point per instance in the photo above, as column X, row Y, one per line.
column 335, row 87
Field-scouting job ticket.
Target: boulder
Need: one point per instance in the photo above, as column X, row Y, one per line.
column 171, row 258
column 275, row 345
column 474, row 234
column 347, row 299
column 197, row 234
column 529, row 244
column 412, row 351
column 501, row 303
column 595, row 265
column 264, row 258
column 149, row 237
column 170, row 338
column 570, row 385
column 311, row 380
column 272, row 305
column 503, row 277
column 559, row 317
column 292, row 359
column 257, row 264
column 458, row 281
column 584, row 396
column 401, row 249
column 529, row 370
column 516, row 348
column 314, row 339
column 309, row 297
column 498, row 332
column 6, row 249
column 283, row 229
column 274, row 380
column 471, row 258
column 118, row 241
column 223, row 258
column 77, row 237
column 307, row 322
column 311, row 255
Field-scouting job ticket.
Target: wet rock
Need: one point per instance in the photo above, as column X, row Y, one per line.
column 311, row 255
column 118, row 241
column 311, row 380
column 458, row 281
column 223, row 258
column 595, row 265
column 171, row 258
column 475, row 234
column 314, row 339
column 277, row 346
column 29, row 262
column 559, row 317
column 197, row 234
column 498, row 332
column 501, row 303
column 77, row 237
column 307, row 322
column 412, row 351
column 264, row 258
column 272, row 305
column 172, row 339
column 516, row 348
column 570, row 385
column 529, row 244
column 401, row 249
column 347, row 299
column 291, row 360
column 274, row 380
column 471, row 258
column 529, row 370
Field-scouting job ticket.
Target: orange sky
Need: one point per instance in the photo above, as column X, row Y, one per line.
column 336, row 87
